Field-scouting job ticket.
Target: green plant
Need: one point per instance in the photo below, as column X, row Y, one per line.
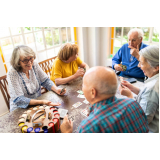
column 48, row 38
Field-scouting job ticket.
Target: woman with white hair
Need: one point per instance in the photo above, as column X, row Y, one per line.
column 148, row 97
column 25, row 78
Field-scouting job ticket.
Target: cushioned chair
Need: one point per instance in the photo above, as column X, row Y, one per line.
column 47, row 68
column 4, row 89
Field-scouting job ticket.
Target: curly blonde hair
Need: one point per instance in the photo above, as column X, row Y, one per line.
column 67, row 50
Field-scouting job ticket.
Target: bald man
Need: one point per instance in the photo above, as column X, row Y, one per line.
column 107, row 113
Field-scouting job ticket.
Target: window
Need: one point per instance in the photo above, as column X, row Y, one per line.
column 119, row 37
column 45, row 41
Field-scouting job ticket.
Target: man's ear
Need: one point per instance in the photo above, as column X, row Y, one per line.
column 93, row 93
column 141, row 40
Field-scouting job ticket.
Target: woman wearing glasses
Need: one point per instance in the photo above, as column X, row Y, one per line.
column 147, row 97
column 25, row 78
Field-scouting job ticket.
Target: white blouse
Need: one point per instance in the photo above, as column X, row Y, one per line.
column 148, row 98
column 22, row 89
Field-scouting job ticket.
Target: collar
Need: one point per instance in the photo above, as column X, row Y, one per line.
column 141, row 46
column 150, row 82
column 103, row 102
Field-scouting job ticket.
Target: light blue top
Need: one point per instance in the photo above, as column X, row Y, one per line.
column 148, row 98
column 22, row 89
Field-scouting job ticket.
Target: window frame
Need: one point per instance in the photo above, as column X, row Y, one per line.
column 42, row 30
column 113, row 31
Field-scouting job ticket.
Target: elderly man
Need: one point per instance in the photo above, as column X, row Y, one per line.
column 128, row 54
column 108, row 113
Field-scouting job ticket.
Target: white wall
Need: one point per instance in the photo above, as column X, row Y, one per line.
column 94, row 44
column 3, row 106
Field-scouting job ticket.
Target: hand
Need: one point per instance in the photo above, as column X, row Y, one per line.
column 49, row 103
column 127, row 84
column 134, row 51
column 80, row 72
column 118, row 67
column 125, row 91
column 67, row 125
column 58, row 91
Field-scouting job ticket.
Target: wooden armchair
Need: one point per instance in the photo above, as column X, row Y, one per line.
column 47, row 68
column 4, row 89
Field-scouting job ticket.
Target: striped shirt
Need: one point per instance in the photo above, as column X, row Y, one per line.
column 115, row 115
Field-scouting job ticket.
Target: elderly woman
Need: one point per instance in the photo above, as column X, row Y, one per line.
column 65, row 67
column 148, row 97
column 25, row 78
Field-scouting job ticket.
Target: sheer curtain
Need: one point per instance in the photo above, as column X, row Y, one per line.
column 94, row 45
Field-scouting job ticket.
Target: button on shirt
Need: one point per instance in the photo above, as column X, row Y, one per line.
column 123, row 55
column 148, row 98
column 115, row 115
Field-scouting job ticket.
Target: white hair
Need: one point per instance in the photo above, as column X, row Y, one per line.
column 151, row 54
column 20, row 50
column 139, row 31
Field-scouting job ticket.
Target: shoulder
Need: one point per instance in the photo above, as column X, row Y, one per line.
column 127, row 102
column 57, row 61
column 144, row 45
column 11, row 72
column 124, row 46
column 78, row 60
column 130, row 106
column 156, row 86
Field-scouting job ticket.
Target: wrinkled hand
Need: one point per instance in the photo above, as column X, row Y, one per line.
column 118, row 67
column 49, row 103
column 80, row 72
column 134, row 51
column 58, row 91
column 125, row 91
column 66, row 126
column 127, row 84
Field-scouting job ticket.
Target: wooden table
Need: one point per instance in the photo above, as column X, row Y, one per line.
column 8, row 122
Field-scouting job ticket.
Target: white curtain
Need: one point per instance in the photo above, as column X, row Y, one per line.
column 94, row 44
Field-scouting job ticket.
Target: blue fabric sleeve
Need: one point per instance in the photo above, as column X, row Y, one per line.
column 47, row 84
column 117, row 58
column 22, row 101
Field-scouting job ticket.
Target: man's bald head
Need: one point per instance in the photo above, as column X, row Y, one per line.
column 103, row 79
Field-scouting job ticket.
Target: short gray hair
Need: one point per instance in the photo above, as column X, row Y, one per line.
column 107, row 88
column 139, row 31
column 20, row 50
column 151, row 54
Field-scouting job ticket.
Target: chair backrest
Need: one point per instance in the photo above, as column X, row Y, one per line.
column 4, row 89
column 47, row 65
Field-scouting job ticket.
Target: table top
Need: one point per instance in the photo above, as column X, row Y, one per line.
column 9, row 122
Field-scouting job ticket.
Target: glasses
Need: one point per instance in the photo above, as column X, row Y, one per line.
column 27, row 60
